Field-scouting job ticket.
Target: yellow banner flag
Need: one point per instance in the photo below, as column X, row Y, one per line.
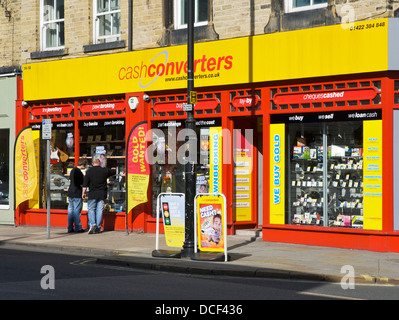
column 25, row 167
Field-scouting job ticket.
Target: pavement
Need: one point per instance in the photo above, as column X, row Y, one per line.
column 247, row 258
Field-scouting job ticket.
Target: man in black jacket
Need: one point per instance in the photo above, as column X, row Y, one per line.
column 75, row 197
column 96, row 180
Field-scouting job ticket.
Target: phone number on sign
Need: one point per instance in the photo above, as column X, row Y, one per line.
column 368, row 26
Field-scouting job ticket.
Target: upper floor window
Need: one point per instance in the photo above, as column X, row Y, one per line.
column 107, row 16
column 52, row 24
column 201, row 15
column 301, row 5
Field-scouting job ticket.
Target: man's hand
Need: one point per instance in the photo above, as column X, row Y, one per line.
column 84, row 193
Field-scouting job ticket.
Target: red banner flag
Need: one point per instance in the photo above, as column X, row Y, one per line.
column 138, row 169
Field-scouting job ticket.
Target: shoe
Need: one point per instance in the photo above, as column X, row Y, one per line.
column 98, row 230
column 80, row 231
column 92, row 229
column 70, row 231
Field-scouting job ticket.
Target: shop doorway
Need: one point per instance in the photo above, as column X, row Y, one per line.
column 247, row 189
column 6, row 210
column 168, row 168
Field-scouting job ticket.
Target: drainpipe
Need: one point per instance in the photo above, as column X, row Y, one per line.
column 130, row 32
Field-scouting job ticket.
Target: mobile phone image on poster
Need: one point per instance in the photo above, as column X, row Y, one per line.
column 211, row 234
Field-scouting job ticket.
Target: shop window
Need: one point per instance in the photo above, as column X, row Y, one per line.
column 167, row 173
column 175, row 22
column 336, row 188
column 170, row 153
column 377, row 85
column 52, row 24
column 105, row 140
column 332, row 170
column 107, row 15
column 300, row 5
column 107, row 143
column 201, row 16
column 4, row 169
column 62, row 160
column 340, row 85
column 365, row 83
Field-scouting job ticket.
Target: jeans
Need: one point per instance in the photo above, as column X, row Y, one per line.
column 74, row 208
column 95, row 209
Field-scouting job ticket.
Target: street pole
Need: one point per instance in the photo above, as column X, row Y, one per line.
column 46, row 135
column 188, row 246
column 48, row 186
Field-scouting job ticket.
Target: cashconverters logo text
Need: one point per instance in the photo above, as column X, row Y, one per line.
column 160, row 66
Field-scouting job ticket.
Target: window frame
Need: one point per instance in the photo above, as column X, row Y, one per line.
column 97, row 38
column 43, row 24
column 289, row 6
column 178, row 15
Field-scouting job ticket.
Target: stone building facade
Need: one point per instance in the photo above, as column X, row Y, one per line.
column 153, row 24
column 143, row 24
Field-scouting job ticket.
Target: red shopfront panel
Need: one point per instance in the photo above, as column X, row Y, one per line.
column 329, row 97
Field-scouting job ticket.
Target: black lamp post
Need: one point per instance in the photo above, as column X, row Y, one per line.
column 188, row 246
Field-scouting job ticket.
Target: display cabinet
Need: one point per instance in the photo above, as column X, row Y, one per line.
column 325, row 184
column 62, row 158
column 345, row 189
column 108, row 145
column 306, row 196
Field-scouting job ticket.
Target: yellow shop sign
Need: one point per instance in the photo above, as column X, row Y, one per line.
column 315, row 52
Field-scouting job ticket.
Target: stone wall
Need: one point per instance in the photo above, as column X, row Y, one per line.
column 20, row 34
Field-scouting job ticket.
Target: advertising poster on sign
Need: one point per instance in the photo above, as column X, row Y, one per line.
column 173, row 209
column 277, row 172
column 100, row 153
column 243, row 163
column 210, row 223
column 372, row 174
column 138, row 169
